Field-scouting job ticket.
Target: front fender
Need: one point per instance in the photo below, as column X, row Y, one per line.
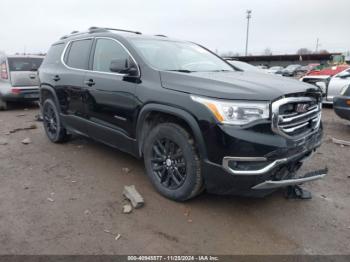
column 180, row 113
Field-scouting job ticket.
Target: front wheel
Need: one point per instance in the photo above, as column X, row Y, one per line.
column 172, row 162
column 52, row 122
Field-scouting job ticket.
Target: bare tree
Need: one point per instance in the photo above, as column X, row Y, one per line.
column 304, row 51
column 323, row 51
column 267, row 51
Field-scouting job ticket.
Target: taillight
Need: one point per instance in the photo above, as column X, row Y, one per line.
column 3, row 71
column 15, row 91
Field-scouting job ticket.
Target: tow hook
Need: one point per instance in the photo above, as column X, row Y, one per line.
column 297, row 192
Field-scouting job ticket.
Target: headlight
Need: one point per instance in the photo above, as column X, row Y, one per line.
column 342, row 92
column 235, row 112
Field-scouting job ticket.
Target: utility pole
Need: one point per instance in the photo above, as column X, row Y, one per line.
column 317, row 45
column 249, row 15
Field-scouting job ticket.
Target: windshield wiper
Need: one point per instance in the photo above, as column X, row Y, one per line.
column 181, row 70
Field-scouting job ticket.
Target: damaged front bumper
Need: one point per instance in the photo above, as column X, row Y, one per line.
column 260, row 176
column 311, row 176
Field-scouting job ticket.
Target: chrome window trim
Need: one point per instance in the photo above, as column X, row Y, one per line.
column 99, row 72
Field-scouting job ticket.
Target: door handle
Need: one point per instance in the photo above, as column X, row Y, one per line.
column 89, row 82
column 56, row 78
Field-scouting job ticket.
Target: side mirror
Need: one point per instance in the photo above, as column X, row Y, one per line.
column 119, row 66
column 123, row 66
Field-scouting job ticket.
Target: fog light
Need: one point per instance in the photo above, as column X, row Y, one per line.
column 348, row 102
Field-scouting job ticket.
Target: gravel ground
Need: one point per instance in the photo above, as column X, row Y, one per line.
column 67, row 199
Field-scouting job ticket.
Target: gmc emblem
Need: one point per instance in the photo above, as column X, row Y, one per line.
column 301, row 108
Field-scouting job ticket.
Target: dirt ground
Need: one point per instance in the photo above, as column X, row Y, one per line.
column 67, row 199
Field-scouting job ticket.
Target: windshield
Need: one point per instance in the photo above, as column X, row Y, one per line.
column 292, row 66
column 178, row 56
column 24, row 63
column 244, row 66
column 275, row 68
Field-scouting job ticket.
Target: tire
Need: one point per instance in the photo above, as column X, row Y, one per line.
column 3, row 104
column 172, row 162
column 52, row 123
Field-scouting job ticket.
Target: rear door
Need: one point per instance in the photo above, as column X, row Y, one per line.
column 111, row 103
column 23, row 71
column 70, row 83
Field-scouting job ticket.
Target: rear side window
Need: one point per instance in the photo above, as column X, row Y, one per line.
column 24, row 63
column 78, row 54
column 54, row 54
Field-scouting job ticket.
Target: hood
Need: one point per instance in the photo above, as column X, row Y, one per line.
column 234, row 85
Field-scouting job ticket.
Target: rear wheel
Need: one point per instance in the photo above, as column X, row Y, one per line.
column 172, row 162
column 52, row 123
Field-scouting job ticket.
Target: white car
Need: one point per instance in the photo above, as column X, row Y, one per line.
column 335, row 85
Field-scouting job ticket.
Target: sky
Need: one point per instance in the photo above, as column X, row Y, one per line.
column 282, row 26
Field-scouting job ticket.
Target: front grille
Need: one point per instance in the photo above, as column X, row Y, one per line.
column 296, row 117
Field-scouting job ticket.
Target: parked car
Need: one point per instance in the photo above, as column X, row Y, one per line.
column 275, row 70
column 18, row 79
column 196, row 121
column 290, row 70
column 245, row 66
column 336, row 85
column 303, row 70
column 323, row 77
column 342, row 103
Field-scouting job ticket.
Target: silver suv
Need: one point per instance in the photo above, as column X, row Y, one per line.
column 18, row 79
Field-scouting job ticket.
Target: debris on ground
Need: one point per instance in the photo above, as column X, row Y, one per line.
column 135, row 198
column 26, row 141
column 87, row 212
column 126, row 170
column 20, row 115
column 340, row 142
column 3, row 141
column 323, row 196
column 189, row 221
column 33, row 126
column 117, row 237
column 73, row 181
column 50, row 199
column 127, row 209
column 38, row 118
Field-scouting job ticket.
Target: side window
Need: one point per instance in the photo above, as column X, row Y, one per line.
column 79, row 52
column 106, row 51
column 54, row 54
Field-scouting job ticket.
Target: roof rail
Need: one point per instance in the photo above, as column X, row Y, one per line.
column 161, row 35
column 72, row 34
column 94, row 29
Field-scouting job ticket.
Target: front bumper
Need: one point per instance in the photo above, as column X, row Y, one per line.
column 261, row 175
column 341, row 106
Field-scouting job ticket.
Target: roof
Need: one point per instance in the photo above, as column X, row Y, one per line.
column 24, row 56
column 111, row 31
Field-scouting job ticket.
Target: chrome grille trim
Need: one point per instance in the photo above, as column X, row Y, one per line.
column 285, row 125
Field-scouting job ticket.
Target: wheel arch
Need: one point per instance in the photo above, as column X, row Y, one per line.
column 48, row 91
column 176, row 115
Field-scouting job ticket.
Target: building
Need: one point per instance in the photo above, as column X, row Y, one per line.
column 284, row 60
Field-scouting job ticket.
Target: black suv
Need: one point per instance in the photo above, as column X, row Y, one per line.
column 198, row 122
